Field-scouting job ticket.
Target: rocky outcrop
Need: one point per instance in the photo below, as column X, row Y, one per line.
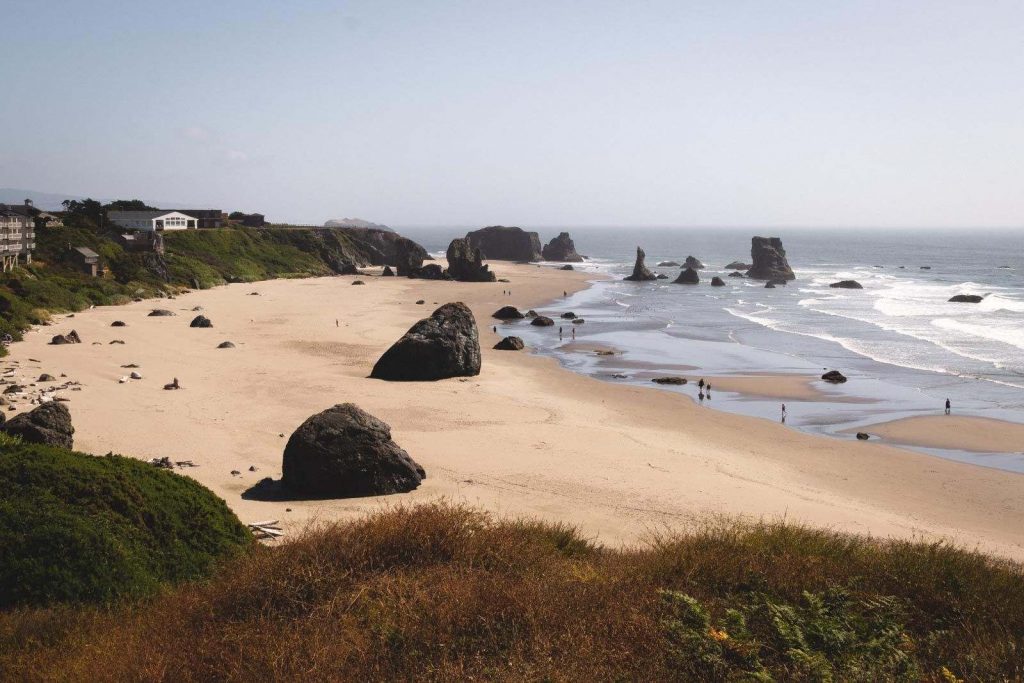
column 501, row 243
column 508, row 313
column 542, row 321
column 567, row 266
column 834, row 376
column 447, row 344
column 200, row 321
column 387, row 272
column 668, row 264
column 345, row 452
column 225, row 345
column 717, row 282
column 69, row 338
column 346, row 268
column 967, row 299
column 769, row 260
column 118, row 323
column 49, row 424
column 465, row 262
column 431, row 271
column 568, row 315
column 408, row 256
column 358, row 282
column 736, row 273
column 693, row 262
column 738, row 265
column 688, row 276
column 561, row 248
column 846, row 284
column 640, row 271
column 510, row 344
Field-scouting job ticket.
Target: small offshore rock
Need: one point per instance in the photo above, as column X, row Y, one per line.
column 510, row 344
column 834, row 376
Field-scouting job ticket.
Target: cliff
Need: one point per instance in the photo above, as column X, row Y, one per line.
column 502, row 243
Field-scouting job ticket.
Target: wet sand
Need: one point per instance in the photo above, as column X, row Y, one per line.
column 526, row 437
column 965, row 433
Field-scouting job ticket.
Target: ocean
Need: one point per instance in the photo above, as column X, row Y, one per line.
column 903, row 345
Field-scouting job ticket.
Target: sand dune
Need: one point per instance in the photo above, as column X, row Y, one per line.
column 525, row 437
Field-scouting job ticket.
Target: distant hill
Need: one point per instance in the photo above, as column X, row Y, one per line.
column 354, row 223
column 48, row 201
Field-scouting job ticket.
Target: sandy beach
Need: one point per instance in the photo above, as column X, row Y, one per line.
column 524, row 438
column 966, row 433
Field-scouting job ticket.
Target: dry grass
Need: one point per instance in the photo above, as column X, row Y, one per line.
column 441, row 592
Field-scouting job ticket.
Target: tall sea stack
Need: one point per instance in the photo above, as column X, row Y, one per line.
column 640, row 271
column 561, row 248
column 502, row 243
column 769, row 260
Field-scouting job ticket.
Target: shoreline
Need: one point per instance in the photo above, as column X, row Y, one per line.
column 525, row 438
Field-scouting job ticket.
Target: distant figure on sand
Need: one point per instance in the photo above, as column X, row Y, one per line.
column 783, row 413
column 574, row 333
column 565, row 293
column 559, row 331
column 700, row 384
column 700, row 395
column 948, row 406
column 336, row 323
column 495, row 328
column 707, row 388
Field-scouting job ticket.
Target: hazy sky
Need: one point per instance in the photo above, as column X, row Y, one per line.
column 529, row 113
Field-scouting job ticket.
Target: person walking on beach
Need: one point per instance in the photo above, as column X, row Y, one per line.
column 707, row 388
column 783, row 413
column 700, row 384
column 574, row 334
column 948, row 406
column 336, row 323
column 559, row 332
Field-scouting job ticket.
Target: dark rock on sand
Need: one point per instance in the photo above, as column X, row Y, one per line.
column 420, row 302
column 465, row 262
column 542, row 321
column 846, row 284
column 568, row 315
column 345, row 452
column 834, row 376
column 769, row 260
column 640, row 271
column 738, row 265
column 347, row 268
column 508, row 313
column 13, row 389
column 408, row 256
column 693, row 262
column 431, row 271
column 688, row 276
column 201, row 321
column 225, row 345
column 567, row 266
column 387, row 272
column 46, row 378
column 119, row 323
column 447, row 344
column 502, row 243
column 510, row 344
column 561, row 248
column 717, row 282
column 49, row 424
column 863, row 436
column 967, row 299
column 358, row 282
column 69, row 338
column 161, row 313
column 669, row 380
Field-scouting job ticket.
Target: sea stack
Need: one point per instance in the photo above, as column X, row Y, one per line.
column 561, row 248
column 769, row 260
column 465, row 263
column 640, row 271
column 687, row 276
column 693, row 262
column 502, row 243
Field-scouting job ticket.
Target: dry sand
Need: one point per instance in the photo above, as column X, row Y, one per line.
column 524, row 438
column 978, row 434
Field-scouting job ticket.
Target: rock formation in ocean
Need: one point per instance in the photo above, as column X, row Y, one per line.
column 507, row 313
column 561, row 248
column 640, row 271
column 668, row 264
column 967, row 299
column 465, row 262
column 738, row 265
column 846, row 284
column 717, row 282
column 542, row 321
column 688, row 276
column 345, row 452
column 200, row 321
column 769, row 260
column 769, row 285
column 447, row 344
column 501, row 243
column 693, row 262
column 834, row 376
column 568, row 315
column 50, row 424
column 510, row 344
column 736, row 273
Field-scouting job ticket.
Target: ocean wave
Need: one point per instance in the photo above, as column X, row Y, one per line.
column 1011, row 336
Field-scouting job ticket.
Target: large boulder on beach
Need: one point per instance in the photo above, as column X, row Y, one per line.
column 561, row 248
column 834, row 376
column 846, row 284
column 506, row 243
column 69, row 338
column 200, row 321
column 118, row 323
column 387, row 272
column 447, row 344
column 508, row 313
column 967, row 299
column 408, row 256
column 431, row 271
column 693, row 262
column 510, row 344
column 542, row 321
column 769, row 260
column 465, row 262
column 345, row 452
column 50, row 424
column 717, row 282
column 688, row 276
column 640, row 271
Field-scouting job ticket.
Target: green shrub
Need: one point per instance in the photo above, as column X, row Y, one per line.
column 78, row 528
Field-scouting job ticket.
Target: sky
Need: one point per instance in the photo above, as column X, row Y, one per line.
column 549, row 113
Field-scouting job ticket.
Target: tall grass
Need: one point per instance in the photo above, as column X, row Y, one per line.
column 441, row 592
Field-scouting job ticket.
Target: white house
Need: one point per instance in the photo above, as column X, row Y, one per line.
column 151, row 221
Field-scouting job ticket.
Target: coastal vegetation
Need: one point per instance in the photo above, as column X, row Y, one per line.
column 442, row 592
